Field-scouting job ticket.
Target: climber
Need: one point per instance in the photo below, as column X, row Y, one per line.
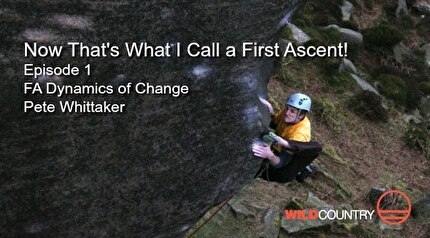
column 291, row 124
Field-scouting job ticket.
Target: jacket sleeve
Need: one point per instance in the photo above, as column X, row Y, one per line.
column 299, row 137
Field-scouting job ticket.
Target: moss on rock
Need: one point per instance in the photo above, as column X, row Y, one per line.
column 393, row 88
column 330, row 151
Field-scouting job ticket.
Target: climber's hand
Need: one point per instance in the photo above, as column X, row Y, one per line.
column 262, row 150
column 268, row 105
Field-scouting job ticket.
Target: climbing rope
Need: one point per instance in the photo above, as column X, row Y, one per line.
column 213, row 223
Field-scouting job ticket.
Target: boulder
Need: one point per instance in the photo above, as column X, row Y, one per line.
column 269, row 226
column 244, row 210
column 422, row 7
column 347, row 224
column 415, row 118
column 425, row 106
column 299, row 36
column 401, row 8
column 383, row 226
column 295, row 225
column 364, row 85
column 403, row 54
column 348, row 35
column 426, row 48
column 346, row 9
column 347, row 66
column 156, row 168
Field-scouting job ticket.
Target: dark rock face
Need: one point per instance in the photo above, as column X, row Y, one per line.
column 153, row 170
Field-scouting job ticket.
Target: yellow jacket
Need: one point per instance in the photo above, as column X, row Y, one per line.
column 300, row 131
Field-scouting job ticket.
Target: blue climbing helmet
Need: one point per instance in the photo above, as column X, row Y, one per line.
column 300, row 101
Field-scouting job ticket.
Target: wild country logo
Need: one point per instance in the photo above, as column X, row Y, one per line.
column 393, row 208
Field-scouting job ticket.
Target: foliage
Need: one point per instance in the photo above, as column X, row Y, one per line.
column 382, row 36
column 369, row 106
column 393, row 88
column 316, row 12
column 418, row 137
column 354, row 2
column 324, row 20
column 287, row 33
column 424, row 87
column 407, row 20
column 328, row 113
column 326, row 37
column 368, row 4
column 342, row 82
column 413, row 95
column 423, row 28
column 389, row 7
column 422, row 71
column 329, row 66
column 350, row 25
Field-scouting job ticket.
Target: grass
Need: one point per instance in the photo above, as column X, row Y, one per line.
column 392, row 87
column 330, row 152
column 329, row 113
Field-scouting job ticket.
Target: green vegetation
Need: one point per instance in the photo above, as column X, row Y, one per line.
column 350, row 25
column 369, row 106
column 418, row 137
column 368, row 4
column 423, row 28
column 382, row 36
column 329, row 66
column 424, row 87
column 393, row 88
column 327, row 112
column 342, row 82
column 330, row 152
column 319, row 13
column 407, row 20
column 413, row 95
column 327, row 36
column 287, row 34
column 422, row 72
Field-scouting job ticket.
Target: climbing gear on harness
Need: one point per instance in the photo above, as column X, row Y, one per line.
column 271, row 138
column 303, row 155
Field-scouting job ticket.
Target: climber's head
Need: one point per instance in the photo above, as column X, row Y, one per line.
column 296, row 107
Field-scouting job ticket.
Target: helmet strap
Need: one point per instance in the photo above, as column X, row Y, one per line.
column 297, row 117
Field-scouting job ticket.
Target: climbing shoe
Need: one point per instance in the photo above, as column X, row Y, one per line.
column 306, row 172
